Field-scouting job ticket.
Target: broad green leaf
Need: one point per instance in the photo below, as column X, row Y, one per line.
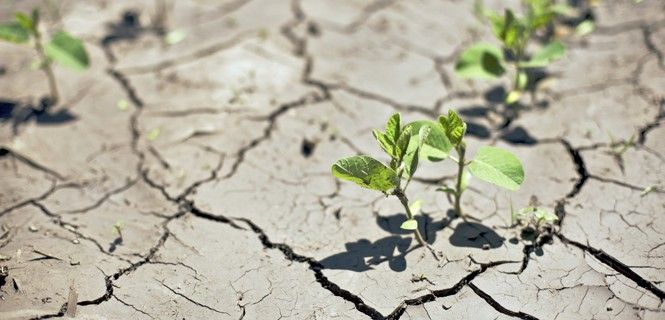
column 585, row 27
column 13, row 32
column 513, row 96
column 67, row 51
column 367, row 172
column 481, row 61
column 436, row 145
column 497, row 166
column 410, row 224
column 453, row 126
column 554, row 50
column 415, row 207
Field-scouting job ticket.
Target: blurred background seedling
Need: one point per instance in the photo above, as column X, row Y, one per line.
column 62, row 48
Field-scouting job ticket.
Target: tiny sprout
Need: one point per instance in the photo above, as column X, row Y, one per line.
column 117, row 228
column 153, row 134
column 62, row 47
column 486, row 61
column 648, row 190
column 533, row 218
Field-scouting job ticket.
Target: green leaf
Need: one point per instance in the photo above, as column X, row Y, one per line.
column 410, row 224
column 436, row 145
column 415, row 207
column 413, row 153
column 403, row 142
column 13, row 32
column 26, row 22
column 497, row 166
column 554, row 50
column 367, row 172
column 67, row 51
column 453, row 126
column 481, row 61
column 386, row 145
column 585, row 27
column 522, row 80
column 513, row 96
column 393, row 127
column 542, row 214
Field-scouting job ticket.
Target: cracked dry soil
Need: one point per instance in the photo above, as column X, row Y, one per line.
column 231, row 211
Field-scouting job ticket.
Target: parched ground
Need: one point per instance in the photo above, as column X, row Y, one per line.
column 219, row 168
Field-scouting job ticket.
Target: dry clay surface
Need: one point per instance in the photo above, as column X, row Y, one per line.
column 219, row 168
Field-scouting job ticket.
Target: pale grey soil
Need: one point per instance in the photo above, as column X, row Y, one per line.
column 231, row 212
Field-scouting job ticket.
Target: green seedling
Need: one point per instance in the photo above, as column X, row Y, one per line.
column 486, row 61
column 62, row 47
column 407, row 145
column 619, row 148
column 533, row 219
column 491, row 164
column 117, row 228
column 403, row 145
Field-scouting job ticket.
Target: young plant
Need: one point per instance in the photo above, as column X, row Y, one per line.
column 428, row 140
column 486, row 61
column 534, row 220
column 61, row 48
column 491, row 164
column 404, row 145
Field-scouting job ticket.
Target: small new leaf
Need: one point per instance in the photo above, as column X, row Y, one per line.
column 366, row 172
column 410, row 224
column 435, row 146
column 384, row 143
column 453, row 126
column 402, row 144
column 393, row 127
column 497, row 166
column 513, row 96
column 415, row 207
column 67, row 51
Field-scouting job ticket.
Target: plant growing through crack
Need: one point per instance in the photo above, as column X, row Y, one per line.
column 486, row 61
column 433, row 141
column 534, row 220
column 62, row 47
column 491, row 164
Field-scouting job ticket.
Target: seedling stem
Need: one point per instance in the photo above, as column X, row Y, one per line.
column 45, row 65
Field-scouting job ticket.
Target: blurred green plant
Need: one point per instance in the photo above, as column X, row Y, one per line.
column 486, row 61
column 62, row 48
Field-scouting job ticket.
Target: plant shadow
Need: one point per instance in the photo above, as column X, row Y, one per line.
column 18, row 114
column 363, row 255
column 475, row 235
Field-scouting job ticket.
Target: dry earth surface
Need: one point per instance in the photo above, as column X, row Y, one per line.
column 219, row 169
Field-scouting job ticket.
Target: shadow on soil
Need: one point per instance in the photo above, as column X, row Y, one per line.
column 363, row 255
column 19, row 114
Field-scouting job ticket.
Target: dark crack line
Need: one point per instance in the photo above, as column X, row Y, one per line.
column 434, row 294
column 193, row 301
column 497, row 306
column 103, row 199
column 132, row 306
column 317, row 268
column 616, row 265
column 580, row 166
column 4, row 151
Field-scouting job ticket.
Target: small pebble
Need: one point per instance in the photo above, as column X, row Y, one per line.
column 76, row 241
column 33, row 228
column 486, row 246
